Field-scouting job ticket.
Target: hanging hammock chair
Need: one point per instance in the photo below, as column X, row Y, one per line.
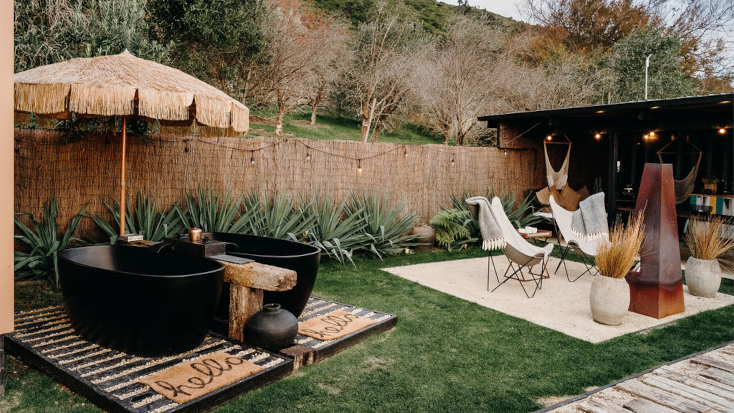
column 558, row 178
column 684, row 187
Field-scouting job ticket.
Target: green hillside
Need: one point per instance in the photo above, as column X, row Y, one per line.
column 432, row 13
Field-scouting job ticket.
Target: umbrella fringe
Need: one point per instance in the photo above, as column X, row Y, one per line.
column 164, row 105
column 107, row 101
column 41, row 98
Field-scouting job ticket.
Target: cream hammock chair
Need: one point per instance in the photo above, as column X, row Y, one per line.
column 558, row 178
column 684, row 187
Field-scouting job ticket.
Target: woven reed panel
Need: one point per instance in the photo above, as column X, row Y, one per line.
column 88, row 170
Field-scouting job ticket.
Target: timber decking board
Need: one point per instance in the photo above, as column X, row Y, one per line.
column 640, row 405
column 599, row 406
column 109, row 378
column 701, row 383
column 662, row 397
column 706, row 398
column 708, row 361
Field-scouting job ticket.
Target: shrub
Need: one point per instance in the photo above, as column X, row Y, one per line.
column 385, row 224
column 451, row 227
column 143, row 219
column 336, row 232
column 276, row 217
column 41, row 262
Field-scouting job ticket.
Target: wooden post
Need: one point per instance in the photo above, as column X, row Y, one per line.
column 122, row 176
column 247, row 283
column 244, row 302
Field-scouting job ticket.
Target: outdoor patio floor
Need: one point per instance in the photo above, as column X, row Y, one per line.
column 702, row 383
column 560, row 305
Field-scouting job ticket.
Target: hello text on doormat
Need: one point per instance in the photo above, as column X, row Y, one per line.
column 333, row 325
column 195, row 378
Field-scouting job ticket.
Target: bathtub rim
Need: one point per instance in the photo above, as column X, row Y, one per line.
column 62, row 256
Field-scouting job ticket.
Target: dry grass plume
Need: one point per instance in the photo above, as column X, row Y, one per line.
column 615, row 258
column 705, row 238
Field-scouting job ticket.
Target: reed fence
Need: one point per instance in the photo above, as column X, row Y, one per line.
column 87, row 171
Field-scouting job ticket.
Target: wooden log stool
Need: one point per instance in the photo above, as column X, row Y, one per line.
column 247, row 282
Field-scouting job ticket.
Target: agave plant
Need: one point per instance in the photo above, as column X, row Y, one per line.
column 276, row 217
column 386, row 225
column 211, row 212
column 452, row 227
column 144, row 219
column 336, row 232
column 43, row 242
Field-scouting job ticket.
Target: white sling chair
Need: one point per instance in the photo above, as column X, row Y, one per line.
column 518, row 251
column 585, row 249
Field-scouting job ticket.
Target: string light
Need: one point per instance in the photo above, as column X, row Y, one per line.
column 308, row 156
column 452, row 161
column 597, row 136
column 549, row 138
column 652, row 134
column 252, row 157
column 505, row 152
column 405, row 153
column 722, row 131
column 359, row 165
column 644, row 136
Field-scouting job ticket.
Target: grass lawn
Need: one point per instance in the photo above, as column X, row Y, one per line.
column 445, row 354
column 297, row 123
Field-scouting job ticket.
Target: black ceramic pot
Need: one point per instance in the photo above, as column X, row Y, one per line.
column 134, row 300
column 301, row 258
column 272, row 328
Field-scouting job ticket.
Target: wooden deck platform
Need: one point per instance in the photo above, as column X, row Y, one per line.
column 111, row 379
column 698, row 384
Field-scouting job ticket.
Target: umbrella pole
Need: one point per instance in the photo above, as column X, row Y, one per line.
column 122, row 176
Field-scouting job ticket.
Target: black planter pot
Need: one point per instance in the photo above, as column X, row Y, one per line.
column 272, row 328
column 301, row 258
column 137, row 301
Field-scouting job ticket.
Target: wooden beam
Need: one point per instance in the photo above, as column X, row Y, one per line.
column 260, row 276
column 244, row 302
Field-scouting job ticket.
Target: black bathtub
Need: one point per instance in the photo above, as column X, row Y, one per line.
column 137, row 301
column 301, row 258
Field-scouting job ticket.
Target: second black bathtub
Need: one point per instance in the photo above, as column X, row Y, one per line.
column 301, row 258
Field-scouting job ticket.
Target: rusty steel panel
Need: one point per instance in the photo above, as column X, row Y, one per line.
column 657, row 290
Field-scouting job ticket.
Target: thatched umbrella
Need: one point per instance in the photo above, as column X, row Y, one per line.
column 130, row 87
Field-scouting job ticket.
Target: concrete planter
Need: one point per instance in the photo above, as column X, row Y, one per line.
column 609, row 299
column 703, row 277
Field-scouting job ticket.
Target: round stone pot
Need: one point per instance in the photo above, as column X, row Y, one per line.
column 272, row 328
column 426, row 235
column 609, row 299
column 703, row 277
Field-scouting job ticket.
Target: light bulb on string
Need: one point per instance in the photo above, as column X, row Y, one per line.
column 252, row 157
column 597, row 136
column 722, row 131
column 308, row 156
column 549, row 138
column 405, row 153
column 452, row 161
column 505, row 152
column 359, row 165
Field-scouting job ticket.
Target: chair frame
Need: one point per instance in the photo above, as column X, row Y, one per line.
column 571, row 244
column 515, row 257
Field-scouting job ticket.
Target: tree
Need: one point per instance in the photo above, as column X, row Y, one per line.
column 666, row 76
column 217, row 41
column 589, row 24
column 453, row 83
column 53, row 31
column 386, row 52
column 300, row 44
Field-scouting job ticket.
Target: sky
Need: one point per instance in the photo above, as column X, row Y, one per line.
column 507, row 8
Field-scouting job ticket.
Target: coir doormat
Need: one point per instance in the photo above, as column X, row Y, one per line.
column 195, row 378
column 333, row 325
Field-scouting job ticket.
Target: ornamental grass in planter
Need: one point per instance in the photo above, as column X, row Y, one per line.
column 610, row 293
column 707, row 244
